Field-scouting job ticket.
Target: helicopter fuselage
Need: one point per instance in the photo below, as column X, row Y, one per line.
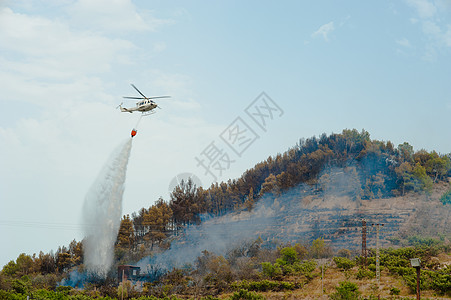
column 142, row 106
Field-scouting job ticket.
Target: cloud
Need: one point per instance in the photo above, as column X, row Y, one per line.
column 159, row 46
column 424, row 8
column 447, row 36
column 403, row 42
column 431, row 29
column 42, row 48
column 114, row 16
column 431, row 17
column 324, row 31
column 435, row 32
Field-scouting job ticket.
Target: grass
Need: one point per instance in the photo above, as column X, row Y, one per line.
column 333, row 276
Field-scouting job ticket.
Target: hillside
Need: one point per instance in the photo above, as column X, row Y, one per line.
column 315, row 197
column 304, row 215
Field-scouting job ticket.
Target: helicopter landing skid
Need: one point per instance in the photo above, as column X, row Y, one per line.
column 145, row 114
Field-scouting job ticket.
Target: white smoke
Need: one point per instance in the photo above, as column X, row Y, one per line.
column 102, row 212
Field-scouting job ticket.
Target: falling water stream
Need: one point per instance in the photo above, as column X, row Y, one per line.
column 102, row 211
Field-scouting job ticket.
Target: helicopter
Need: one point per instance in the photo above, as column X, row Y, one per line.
column 145, row 105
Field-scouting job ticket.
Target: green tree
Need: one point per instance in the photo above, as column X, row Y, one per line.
column 10, row 268
column 319, row 249
column 156, row 221
column 344, row 253
column 219, row 271
column 301, row 251
column 47, row 263
column 24, row 264
column 187, row 203
column 437, row 166
column 288, row 256
column 270, row 186
column 76, row 252
column 126, row 234
column 22, row 286
column 249, row 203
column 405, row 151
column 64, row 261
column 404, row 173
column 423, row 181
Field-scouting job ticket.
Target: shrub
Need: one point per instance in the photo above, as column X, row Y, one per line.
column 301, row 251
column 149, row 298
column 246, row 295
column 305, row 268
column 344, row 253
column 319, row 249
column 264, row 285
column 440, row 282
column 209, row 297
column 21, row 286
column 43, row 294
column 394, row 291
column 344, row 263
column 418, row 241
column 63, row 289
column 288, row 256
column 446, row 197
column 346, row 291
column 270, row 270
column 364, row 273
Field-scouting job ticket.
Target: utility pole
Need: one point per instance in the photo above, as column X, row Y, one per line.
column 418, row 283
column 123, row 271
column 322, row 278
column 323, row 263
column 364, row 252
column 378, row 263
column 416, row 263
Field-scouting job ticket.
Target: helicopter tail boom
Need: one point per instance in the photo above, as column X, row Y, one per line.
column 125, row 110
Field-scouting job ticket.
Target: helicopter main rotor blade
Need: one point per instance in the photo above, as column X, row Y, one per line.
column 138, row 90
column 159, row 97
column 133, row 97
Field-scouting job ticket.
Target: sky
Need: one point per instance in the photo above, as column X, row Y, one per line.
column 247, row 80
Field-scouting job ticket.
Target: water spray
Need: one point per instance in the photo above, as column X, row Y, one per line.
column 103, row 209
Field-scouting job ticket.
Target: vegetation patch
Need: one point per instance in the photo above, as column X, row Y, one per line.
column 265, row 285
column 344, row 263
column 446, row 197
column 363, row 273
column 246, row 295
column 346, row 291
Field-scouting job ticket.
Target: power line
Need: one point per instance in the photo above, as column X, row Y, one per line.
column 45, row 225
